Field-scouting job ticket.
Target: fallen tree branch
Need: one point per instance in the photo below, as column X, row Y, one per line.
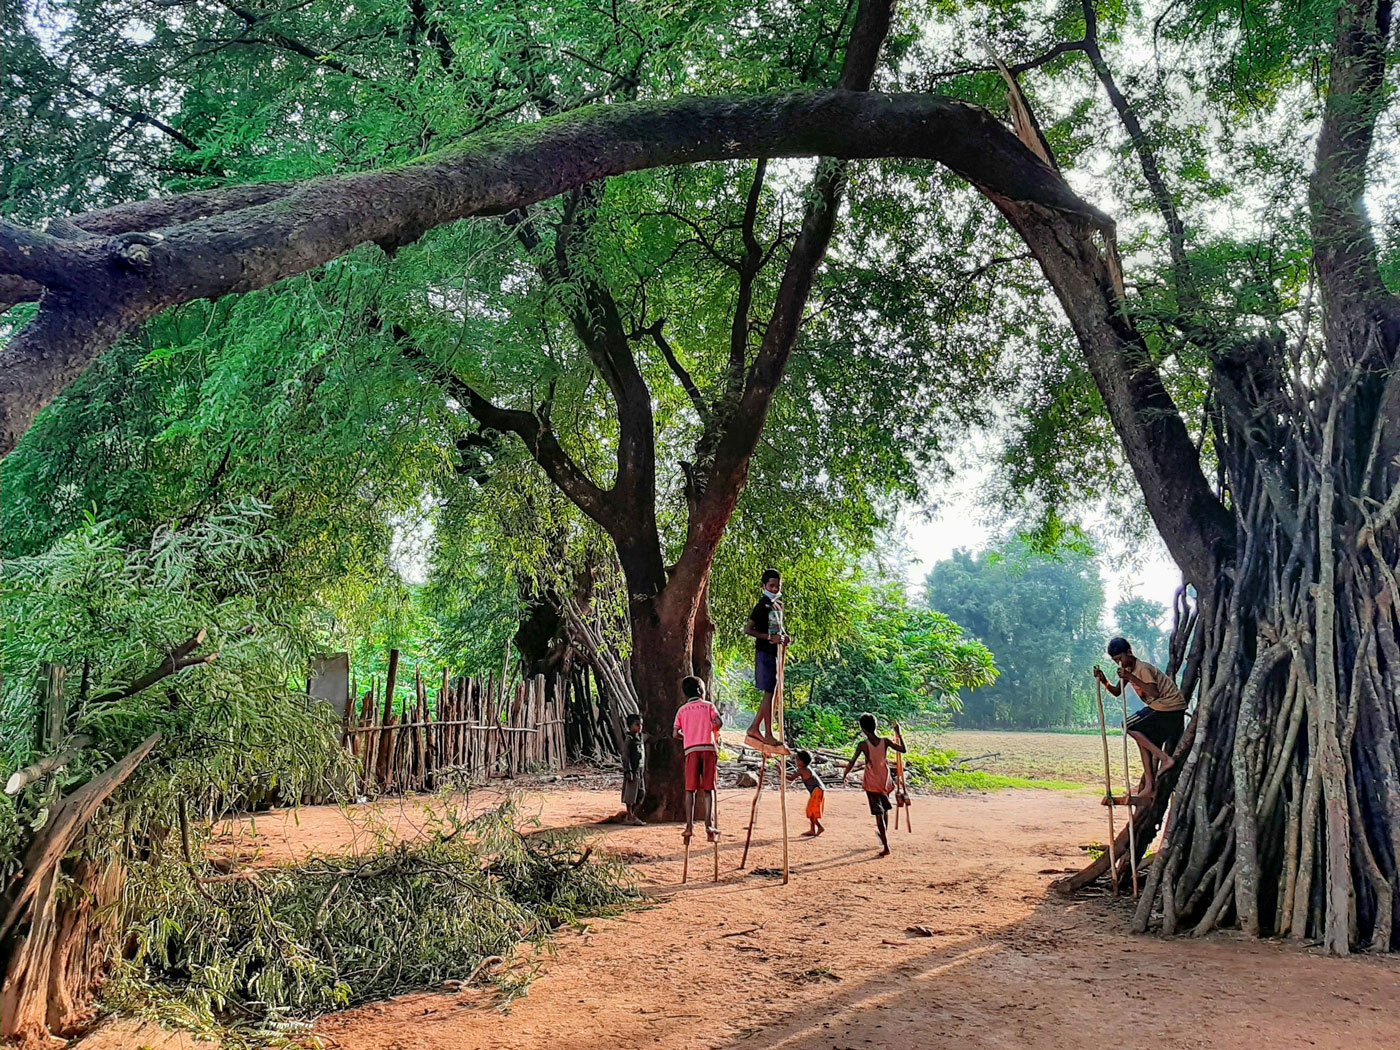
column 68, row 820
column 177, row 660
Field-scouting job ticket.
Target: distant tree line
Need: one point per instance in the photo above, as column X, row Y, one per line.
column 1042, row 618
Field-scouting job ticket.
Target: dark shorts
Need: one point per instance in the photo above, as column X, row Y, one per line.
column 700, row 769
column 879, row 802
column 765, row 671
column 633, row 791
column 1163, row 728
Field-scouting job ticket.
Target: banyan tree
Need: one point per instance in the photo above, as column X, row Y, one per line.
column 1247, row 376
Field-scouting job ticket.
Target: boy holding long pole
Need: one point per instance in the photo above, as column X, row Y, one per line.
column 1157, row 728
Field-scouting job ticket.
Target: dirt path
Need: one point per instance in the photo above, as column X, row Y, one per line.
column 826, row 962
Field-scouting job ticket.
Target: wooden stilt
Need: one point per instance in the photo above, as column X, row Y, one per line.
column 714, row 819
column 782, row 762
column 1128, row 791
column 753, row 813
column 1108, row 789
column 901, row 796
column 689, row 834
column 782, row 806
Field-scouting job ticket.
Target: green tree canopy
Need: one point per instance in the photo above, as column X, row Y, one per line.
column 898, row 663
column 1140, row 621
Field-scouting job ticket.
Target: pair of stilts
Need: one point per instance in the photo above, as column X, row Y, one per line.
column 1113, row 802
column 767, row 751
column 901, row 796
column 712, row 822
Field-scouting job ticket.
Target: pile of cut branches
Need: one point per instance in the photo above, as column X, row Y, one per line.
column 272, row 947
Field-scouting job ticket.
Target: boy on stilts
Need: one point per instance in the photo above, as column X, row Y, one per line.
column 1157, row 728
column 878, row 781
column 766, row 628
column 697, row 726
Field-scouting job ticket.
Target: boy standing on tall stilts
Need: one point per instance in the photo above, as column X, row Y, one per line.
column 766, row 628
column 697, row 727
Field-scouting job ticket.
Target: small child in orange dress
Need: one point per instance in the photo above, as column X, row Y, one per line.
column 816, row 793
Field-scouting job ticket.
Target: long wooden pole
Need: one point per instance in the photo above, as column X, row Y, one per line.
column 1128, row 792
column 782, row 762
column 753, row 813
column 1108, row 787
column 714, row 819
column 689, row 834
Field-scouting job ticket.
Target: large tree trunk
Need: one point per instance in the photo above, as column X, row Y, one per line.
column 1287, row 798
column 661, row 657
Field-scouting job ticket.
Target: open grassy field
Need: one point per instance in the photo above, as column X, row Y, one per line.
column 1042, row 756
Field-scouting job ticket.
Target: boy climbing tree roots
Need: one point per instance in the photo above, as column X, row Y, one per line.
column 1157, row 728
column 878, row 781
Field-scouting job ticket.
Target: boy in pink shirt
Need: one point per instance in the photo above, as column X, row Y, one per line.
column 697, row 727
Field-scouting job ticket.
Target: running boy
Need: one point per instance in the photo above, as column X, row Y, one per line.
column 634, row 788
column 766, row 628
column 697, row 727
column 878, row 782
column 1157, row 728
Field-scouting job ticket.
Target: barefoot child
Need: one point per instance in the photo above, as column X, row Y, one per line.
column 766, row 628
column 816, row 792
column 878, row 782
column 697, row 727
column 1157, row 727
column 634, row 788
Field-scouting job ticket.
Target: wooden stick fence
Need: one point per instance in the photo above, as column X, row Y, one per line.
column 474, row 730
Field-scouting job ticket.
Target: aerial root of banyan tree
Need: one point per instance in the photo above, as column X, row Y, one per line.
column 1285, row 803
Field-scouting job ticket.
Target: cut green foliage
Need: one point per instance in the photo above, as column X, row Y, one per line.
column 290, row 943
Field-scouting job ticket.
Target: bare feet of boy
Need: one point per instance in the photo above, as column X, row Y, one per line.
column 884, row 852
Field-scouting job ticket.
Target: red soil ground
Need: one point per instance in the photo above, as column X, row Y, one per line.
column 827, row 962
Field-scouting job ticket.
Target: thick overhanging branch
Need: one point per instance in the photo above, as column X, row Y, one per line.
column 1197, row 528
column 288, row 229
column 35, row 258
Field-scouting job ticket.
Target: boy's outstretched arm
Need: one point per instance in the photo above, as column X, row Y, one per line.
column 898, row 742
column 860, row 749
